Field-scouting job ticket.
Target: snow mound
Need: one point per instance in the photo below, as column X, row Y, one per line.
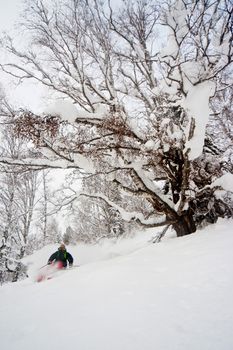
column 176, row 295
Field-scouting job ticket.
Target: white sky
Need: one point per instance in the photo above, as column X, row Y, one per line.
column 9, row 12
column 27, row 94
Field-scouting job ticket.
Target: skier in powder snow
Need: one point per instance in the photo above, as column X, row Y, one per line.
column 61, row 256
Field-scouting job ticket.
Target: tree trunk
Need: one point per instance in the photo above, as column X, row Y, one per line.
column 185, row 224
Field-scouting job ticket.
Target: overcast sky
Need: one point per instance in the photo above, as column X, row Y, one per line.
column 26, row 95
column 9, row 12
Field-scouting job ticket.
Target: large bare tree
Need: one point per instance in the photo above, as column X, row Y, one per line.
column 137, row 81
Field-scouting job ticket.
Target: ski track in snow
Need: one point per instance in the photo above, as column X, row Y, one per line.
column 128, row 295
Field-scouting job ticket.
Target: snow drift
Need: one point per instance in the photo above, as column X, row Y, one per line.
column 129, row 295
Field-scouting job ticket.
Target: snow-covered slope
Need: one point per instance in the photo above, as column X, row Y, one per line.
column 176, row 295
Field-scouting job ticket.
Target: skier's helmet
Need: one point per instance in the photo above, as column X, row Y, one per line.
column 62, row 247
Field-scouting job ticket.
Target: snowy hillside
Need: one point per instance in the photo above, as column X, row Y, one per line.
column 129, row 295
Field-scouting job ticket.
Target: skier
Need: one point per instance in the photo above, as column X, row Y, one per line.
column 61, row 256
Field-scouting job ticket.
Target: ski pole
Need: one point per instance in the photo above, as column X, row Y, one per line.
column 42, row 266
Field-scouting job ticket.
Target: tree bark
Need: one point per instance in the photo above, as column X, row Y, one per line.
column 185, row 224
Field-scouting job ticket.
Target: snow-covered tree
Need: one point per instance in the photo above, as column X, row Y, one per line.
column 17, row 201
column 42, row 209
column 89, row 217
column 69, row 236
column 136, row 82
column 54, row 234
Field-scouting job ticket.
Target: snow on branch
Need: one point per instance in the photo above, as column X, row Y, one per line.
column 125, row 102
column 39, row 163
column 155, row 221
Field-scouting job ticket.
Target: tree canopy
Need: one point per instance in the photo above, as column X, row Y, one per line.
column 136, row 84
